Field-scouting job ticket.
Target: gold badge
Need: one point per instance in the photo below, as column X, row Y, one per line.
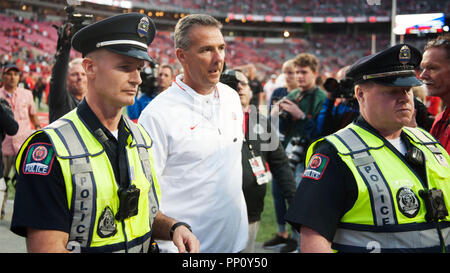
column 405, row 55
column 143, row 27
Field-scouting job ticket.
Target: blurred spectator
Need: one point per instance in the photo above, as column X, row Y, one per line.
column 22, row 104
column 269, row 87
column 297, row 111
column 340, row 107
column 8, row 126
column 68, row 83
column 433, row 104
column 149, row 91
column 290, row 83
column 250, row 72
column 422, row 117
column 256, row 87
column 38, row 90
column 436, row 77
column 256, row 156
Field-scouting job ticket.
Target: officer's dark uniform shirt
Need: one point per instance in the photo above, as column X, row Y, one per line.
column 41, row 200
column 320, row 204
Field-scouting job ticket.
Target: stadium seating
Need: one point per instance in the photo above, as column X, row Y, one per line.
column 302, row 7
column 37, row 44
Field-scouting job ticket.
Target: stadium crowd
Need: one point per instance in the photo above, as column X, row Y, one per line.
column 335, row 8
column 33, row 48
column 307, row 104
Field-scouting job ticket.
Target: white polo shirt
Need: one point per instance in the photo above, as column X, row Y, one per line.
column 197, row 143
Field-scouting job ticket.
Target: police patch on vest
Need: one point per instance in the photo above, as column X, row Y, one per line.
column 106, row 224
column 316, row 166
column 408, row 203
column 39, row 159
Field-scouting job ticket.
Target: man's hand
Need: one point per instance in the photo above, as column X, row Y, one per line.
column 292, row 108
column 182, row 237
column 185, row 240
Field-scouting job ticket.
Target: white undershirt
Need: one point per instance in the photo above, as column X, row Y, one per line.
column 115, row 133
column 399, row 145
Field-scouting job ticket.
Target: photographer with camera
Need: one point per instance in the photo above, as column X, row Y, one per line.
column 258, row 133
column 376, row 185
column 296, row 112
column 152, row 85
column 333, row 117
column 68, row 80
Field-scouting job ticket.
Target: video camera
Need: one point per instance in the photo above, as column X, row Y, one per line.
column 298, row 152
column 340, row 89
column 231, row 78
column 77, row 20
column 149, row 79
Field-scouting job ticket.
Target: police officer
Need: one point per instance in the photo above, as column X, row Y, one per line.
column 86, row 182
column 376, row 185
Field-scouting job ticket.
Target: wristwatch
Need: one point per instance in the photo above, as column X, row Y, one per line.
column 177, row 224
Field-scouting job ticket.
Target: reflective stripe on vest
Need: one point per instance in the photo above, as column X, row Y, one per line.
column 428, row 142
column 145, row 161
column 84, row 195
column 424, row 239
column 382, row 204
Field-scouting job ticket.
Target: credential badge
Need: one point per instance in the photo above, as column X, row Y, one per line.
column 143, row 27
column 405, row 55
column 408, row 203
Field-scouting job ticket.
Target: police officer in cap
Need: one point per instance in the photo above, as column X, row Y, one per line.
column 376, row 185
column 86, row 182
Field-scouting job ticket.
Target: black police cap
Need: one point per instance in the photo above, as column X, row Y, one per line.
column 391, row 67
column 128, row 34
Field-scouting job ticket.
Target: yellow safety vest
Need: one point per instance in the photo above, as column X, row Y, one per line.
column 389, row 214
column 91, row 187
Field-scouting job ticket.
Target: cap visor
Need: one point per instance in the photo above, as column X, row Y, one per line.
column 130, row 51
column 399, row 81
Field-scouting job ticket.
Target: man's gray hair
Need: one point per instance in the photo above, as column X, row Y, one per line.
column 75, row 62
column 181, row 33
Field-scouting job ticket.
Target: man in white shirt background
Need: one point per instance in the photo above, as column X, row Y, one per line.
column 197, row 133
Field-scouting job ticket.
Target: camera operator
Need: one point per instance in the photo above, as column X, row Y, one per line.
column 334, row 116
column 255, row 156
column 299, row 108
column 296, row 113
column 152, row 85
column 68, row 83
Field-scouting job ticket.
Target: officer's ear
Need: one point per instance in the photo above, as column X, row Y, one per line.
column 361, row 91
column 89, row 67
